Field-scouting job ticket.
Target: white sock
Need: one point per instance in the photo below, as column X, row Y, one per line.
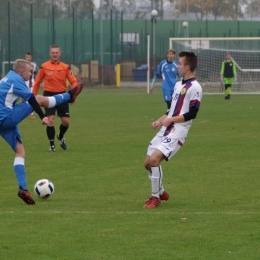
column 18, row 160
column 155, row 181
column 52, row 102
column 161, row 184
column 149, row 174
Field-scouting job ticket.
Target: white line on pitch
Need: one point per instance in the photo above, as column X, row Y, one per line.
column 130, row 213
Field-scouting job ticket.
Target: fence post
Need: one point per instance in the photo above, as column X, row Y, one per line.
column 9, row 36
column 31, row 28
column 53, row 25
column 92, row 33
column 73, row 35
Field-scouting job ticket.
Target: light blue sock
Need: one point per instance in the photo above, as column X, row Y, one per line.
column 20, row 173
column 58, row 99
column 61, row 98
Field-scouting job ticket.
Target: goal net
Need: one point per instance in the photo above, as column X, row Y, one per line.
column 211, row 53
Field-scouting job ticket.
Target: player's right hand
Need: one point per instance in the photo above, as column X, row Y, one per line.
column 45, row 121
column 156, row 124
column 151, row 89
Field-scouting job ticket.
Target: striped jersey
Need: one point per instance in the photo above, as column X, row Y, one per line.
column 30, row 82
column 169, row 73
column 186, row 94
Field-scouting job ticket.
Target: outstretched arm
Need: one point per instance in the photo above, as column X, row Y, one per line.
column 234, row 70
column 222, row 70
column 153, row 82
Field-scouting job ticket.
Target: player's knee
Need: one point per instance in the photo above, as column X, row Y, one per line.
column 154, row 161
column 65, row 121
column 151, row 161
column 51, row 120
column 146, row 163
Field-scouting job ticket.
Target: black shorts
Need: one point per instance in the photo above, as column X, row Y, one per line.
column 62, row 109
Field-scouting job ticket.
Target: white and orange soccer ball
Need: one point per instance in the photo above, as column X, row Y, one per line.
column 44, row 188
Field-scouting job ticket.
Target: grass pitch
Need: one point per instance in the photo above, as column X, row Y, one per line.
column 101, row 185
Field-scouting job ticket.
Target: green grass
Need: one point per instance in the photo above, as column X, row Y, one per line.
column 101, row 185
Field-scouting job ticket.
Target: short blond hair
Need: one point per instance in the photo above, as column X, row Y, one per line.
column 21, row 64
column 171, row 50
column 54, row 46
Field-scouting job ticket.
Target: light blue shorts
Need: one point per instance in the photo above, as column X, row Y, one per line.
column 167, row 95
column 9, row 127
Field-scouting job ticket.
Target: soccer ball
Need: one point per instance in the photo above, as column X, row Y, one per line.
column 44, row 188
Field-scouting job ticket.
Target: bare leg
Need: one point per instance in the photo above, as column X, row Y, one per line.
column 154, row 160
column 19, row 150
column 43, row 101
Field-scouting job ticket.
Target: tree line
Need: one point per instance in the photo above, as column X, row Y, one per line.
column 201, row 9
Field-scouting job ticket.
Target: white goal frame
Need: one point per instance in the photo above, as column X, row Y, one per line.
column 3, row 67
column 198, row 44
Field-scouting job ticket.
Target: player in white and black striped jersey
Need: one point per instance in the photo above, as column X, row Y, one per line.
column 29, row 83
column 174, row 126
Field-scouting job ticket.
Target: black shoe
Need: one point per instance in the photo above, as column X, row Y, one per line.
column 26, row 197
column 62, row 142
column 52, row 148
column 227, row 97
column 74, row 92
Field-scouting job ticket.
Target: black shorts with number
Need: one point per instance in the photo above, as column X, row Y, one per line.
column 62, row 109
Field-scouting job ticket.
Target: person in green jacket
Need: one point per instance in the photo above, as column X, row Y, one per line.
column 228, row 74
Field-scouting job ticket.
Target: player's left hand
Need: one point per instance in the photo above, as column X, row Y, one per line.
column 45, row 121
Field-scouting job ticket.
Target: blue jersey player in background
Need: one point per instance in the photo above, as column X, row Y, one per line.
column 168, row 69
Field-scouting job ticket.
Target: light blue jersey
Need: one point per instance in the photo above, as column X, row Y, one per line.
column 169, row 73
column 11, row 88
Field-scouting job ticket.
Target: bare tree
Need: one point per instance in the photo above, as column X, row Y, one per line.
column 200, row 8
column 83, row 7
column 237, row 7
column 229, row 9
column 159, row 6
column 253, row 8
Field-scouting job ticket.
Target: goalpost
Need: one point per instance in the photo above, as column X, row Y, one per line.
column 211, row 53
column 5, row 67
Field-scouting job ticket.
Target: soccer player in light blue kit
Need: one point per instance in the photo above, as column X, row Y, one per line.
column 168, row 69
column 13, row 87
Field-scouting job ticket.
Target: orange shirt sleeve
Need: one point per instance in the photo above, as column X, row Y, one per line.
column 38, row 80
column 71, row 78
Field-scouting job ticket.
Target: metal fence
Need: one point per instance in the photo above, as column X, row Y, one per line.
column 85, row 36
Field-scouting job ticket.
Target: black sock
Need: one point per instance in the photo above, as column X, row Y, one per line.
column 63, row 130
column 168, row 104
column 50, row 130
